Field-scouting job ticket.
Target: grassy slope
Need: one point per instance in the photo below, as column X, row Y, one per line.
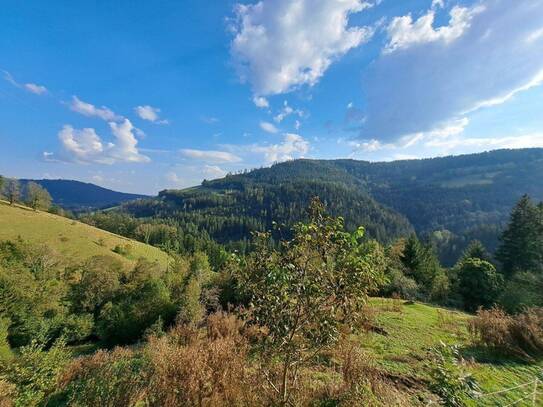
column 416, row 328
column 73, row 239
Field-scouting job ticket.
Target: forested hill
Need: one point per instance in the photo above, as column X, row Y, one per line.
column 79, row 196
column 452, row 199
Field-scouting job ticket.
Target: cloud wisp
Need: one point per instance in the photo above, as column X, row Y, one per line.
column 90, row 110
column 149, row 113
column 30, row 87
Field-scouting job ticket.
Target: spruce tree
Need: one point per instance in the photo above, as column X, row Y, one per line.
column 521, row 247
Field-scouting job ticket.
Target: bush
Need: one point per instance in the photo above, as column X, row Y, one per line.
column 210, row 370
column 522, row 291
column 35, row 372
column 449, row 380
column 400, row 284
column 479, row 283
column 108, row 379
column 518, row 335
column 123, row 250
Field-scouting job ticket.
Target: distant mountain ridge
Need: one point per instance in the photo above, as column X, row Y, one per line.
column 449, row 199
column 80, row 196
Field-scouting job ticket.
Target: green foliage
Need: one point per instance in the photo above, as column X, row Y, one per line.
column 479, row 284
column 449, row 379
column 523, row 290
column 123, row 250
column 421, row 264
column 521, row 246
column 37, row 197
column 303, row 293
column 12, row 190
column 476, row 250
column 107, row 380
column 35, row 372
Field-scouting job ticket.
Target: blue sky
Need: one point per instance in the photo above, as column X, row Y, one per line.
column 141, row 96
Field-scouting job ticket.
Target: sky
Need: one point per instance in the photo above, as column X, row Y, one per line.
column 140, row 96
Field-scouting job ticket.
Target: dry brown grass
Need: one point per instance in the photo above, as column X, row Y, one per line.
column 106, row 379
column 518, row 335
column 188, row 368
column 8, row 392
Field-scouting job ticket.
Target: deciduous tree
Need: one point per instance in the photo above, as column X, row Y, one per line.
column 305, row 291
column 37, row 197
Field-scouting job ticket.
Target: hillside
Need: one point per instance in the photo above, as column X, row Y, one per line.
column 78, row 196
column 409, row 331
column 461, row 198
column 72, row 239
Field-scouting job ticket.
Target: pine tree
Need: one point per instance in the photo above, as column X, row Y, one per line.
column 475, row 250
column 521, row 246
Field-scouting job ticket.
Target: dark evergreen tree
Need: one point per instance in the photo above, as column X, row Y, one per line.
column 521, row 247
column 476, row 250
column 420, row 262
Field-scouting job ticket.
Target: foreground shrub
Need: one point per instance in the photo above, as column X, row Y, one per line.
column 188, row 368
column 34, row 374
column 518, row 335
column 479, row 283
column 449, row 380
column 306, row 291
column 108, row 379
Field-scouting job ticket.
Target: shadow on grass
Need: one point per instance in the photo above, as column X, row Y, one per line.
column 485, row 355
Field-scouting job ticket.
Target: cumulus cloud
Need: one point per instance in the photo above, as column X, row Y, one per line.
column 125, row 149
column 149, row 113
column 261, row 102
column 268, row 127
column 86, row 146
column 89, row 110
column 280, row 45
column 404, row 32
column 210, row 155
column 421, row 84
column 292, row 146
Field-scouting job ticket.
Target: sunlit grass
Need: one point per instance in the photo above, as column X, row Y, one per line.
column 74, row 240
column 412, row 330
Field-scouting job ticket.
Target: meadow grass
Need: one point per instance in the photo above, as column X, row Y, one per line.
column 72, row 239
column 408, row 333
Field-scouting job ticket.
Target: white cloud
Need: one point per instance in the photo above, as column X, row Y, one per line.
column 403, row 32
column 292, row 146
column 125, row 148
column 268, row 127
column 89, row 110
column 86, row 146
column 261, row 102
column 150, row 114
column 35, row 89
column 83, row 145
column 286, row 111
column 422, row 85
column 30, row 87
column 210, row 155
column 280, row 45
column 213, row 171
column 459, row 144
